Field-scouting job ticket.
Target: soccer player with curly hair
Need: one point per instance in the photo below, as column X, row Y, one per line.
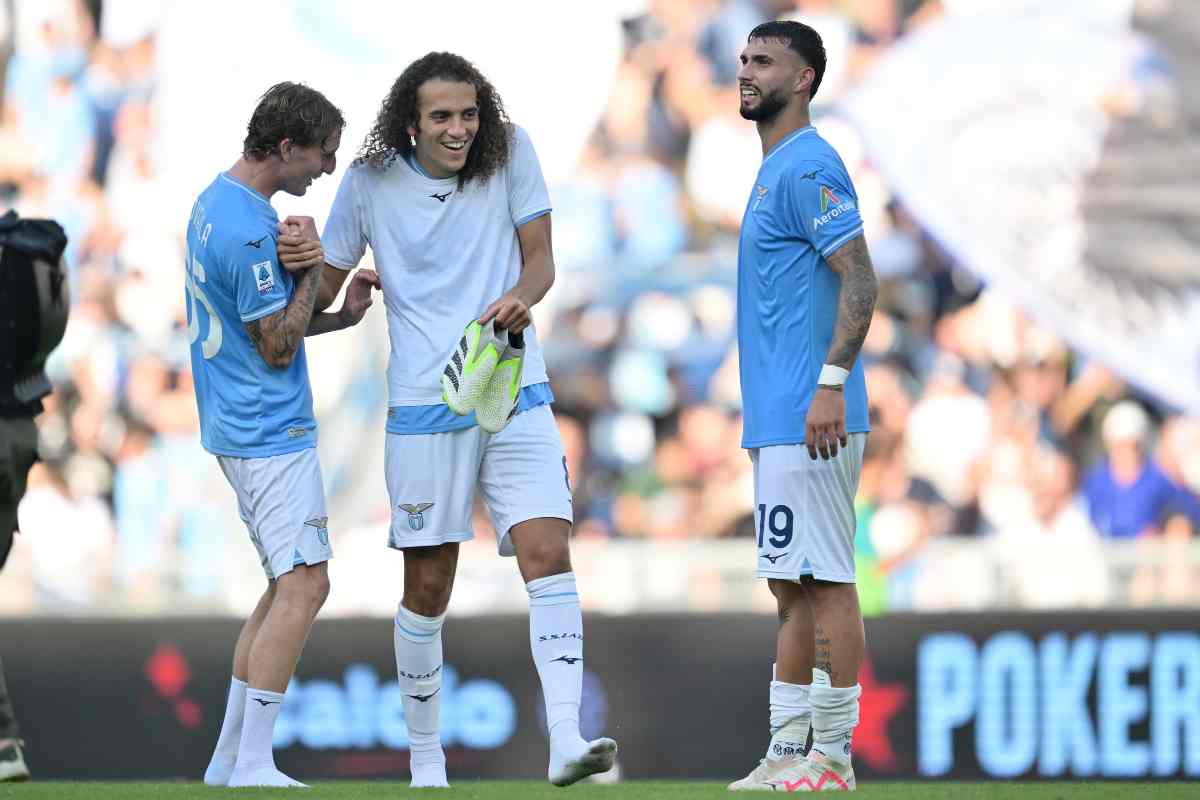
column 450, row 196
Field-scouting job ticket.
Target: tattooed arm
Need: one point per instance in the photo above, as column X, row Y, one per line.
column 856, row 301
column 277, row 336
column 825, row 427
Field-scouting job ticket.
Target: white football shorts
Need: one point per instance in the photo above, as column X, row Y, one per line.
column 432, row 477
column 804, row 511
column 282, row 501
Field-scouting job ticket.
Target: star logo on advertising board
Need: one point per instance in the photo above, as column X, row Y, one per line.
column 880, row 702
column 168, row 672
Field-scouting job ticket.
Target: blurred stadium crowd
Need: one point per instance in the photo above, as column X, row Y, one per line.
column 986, row 426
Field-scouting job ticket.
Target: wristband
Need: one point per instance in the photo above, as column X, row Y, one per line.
column 832, row 375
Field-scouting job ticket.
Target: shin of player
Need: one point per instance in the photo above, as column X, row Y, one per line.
column 248, row 314
column 443, row 166
column 805, row 419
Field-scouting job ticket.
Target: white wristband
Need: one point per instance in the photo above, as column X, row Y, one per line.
column 832, row 375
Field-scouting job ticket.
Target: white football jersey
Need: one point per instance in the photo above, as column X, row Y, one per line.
column 443, row 255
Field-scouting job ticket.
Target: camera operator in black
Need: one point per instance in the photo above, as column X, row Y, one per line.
column 33, row 315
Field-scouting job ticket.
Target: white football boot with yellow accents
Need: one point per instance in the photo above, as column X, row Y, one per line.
column 498, row 404
column 471, row 366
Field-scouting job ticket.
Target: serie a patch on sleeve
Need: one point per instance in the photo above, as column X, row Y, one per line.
column 264, row 276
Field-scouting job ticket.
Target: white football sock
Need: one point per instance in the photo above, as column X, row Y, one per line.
column 220, row 767
column 418, row 642
column 258, row 728
column 556, row 642
column 791, row 716
column 834, row 718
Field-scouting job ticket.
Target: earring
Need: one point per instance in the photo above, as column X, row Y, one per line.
column 412, row 141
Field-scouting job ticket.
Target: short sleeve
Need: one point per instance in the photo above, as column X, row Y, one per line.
column 345, row 236
column 825, row 204
column 259, row 284
column 528, row 197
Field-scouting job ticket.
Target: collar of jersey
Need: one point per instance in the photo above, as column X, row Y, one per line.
column 791, row 137
column 250, row 190
column 411, row 160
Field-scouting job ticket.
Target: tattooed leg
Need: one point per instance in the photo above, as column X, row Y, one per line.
column 838, row 636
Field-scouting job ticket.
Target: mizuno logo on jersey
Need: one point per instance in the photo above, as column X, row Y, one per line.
column 773, row 557
column 568, row 660
column 441, row 198
column 255, row 243
column 264, row 276
column 810, row 176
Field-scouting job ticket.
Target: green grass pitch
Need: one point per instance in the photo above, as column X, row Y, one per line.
column 634, row 790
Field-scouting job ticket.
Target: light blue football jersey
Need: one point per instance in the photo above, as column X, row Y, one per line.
column 247, row 408
column 802, row 209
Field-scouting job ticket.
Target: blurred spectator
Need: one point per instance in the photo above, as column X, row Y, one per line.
column 1057, row 532
column 71, row 539
column 1127, row 492
column 1175, row 578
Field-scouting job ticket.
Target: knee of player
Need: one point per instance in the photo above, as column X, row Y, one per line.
column 319, row 589
column 550, row 557
column 306, row 586
column 790, row 598
column 428, row 595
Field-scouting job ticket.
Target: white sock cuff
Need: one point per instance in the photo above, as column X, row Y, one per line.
column 416, row 628
column 237, row 685
column 821, row 678
column 790, row 695
column 553, row 590
column 834, row 711
column 789, row 702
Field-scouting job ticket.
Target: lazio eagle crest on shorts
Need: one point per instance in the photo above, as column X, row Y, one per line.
column 416, row 514
column 322, row 531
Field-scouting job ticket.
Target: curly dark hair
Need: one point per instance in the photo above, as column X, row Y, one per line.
column 290, row 111
column 389, row 138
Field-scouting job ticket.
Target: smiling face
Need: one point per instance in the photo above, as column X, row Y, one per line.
column 771, row 76
column 303, row 165
column 449, row 120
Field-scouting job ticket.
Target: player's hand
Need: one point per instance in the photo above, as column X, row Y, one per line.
column 825, row 426
column 305, row 227
column 299, row 246
column 510, row 312
column 358, row 296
